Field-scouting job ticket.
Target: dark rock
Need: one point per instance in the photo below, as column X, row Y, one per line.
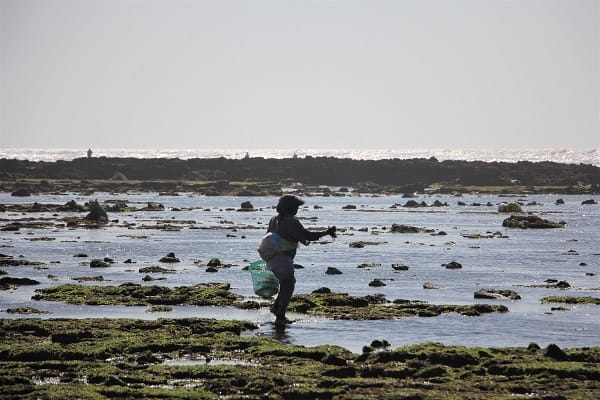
column 246, row 206
column 21, row 192
column 559, row 202
column 399, row 228
column 153, row 206
column 361, row 244
column 510, row 208
column 72, row 206
column 376, row 283
column 211, row 269
column 533, row 347
column 148, row 278
column 400, row 267
column 333, row 271
column 563, row 285
column 322, row 290
column 452, row 265
column 214, row 262
column 155, row 269
column 98, row 278
column 170, row 258
column 429, row 285
column 97, row 213
column 412, row 204
column 496, row 294
column 349, row 207
column 99, row 264
column 7, row 280
column 530, row 222
column 587, row 202
column 379, row 344
column 368, row 265
column 556, row 353
column 332, row 359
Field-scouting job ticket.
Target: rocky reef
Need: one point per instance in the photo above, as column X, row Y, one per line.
column 196, row 358
column 215, row 174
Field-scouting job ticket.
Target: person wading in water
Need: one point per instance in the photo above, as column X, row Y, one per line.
column 286, row 225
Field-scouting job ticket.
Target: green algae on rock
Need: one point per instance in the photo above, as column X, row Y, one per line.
column 571, row 300
column 375, row 307
column 25, row 310
column 130, row 294
column 11, row 262
column 530, row 222
column 124, row 358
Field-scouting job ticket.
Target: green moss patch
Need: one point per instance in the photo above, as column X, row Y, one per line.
column 124, row 358
column 571, row 300
column 130, row 294
column 375, row 307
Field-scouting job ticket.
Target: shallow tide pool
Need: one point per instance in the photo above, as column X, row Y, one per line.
column 213, row 227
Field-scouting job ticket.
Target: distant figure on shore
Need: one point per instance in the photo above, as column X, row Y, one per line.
column 286, row 225
column 89, row 153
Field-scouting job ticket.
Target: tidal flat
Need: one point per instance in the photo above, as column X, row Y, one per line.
column 390, row 309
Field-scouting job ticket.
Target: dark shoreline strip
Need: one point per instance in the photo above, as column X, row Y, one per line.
column 310, row 170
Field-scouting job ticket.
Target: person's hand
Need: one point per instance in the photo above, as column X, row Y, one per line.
column 331, row 232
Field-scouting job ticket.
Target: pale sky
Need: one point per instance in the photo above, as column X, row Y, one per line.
column 300, row 74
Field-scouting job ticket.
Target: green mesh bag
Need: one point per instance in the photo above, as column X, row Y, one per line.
column 264, row 281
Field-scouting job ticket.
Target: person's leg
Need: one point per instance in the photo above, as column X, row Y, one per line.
column 283, row 268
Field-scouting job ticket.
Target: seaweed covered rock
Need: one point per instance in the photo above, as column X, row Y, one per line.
column 21, row 192
column 96, row 263
column 510, row 208
column 452, row 265
column 377, row 307
column 169, row 258
column 496, row 294
column 7, row 282
column 130, row 294
column 399, row 228
column 530, row 222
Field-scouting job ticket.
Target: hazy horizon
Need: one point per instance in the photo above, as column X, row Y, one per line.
column 406, row 74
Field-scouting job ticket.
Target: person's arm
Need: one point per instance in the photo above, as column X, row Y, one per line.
column 303, row 235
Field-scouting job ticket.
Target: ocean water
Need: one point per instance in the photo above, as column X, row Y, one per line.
column 212, row 227
column 569, row 156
